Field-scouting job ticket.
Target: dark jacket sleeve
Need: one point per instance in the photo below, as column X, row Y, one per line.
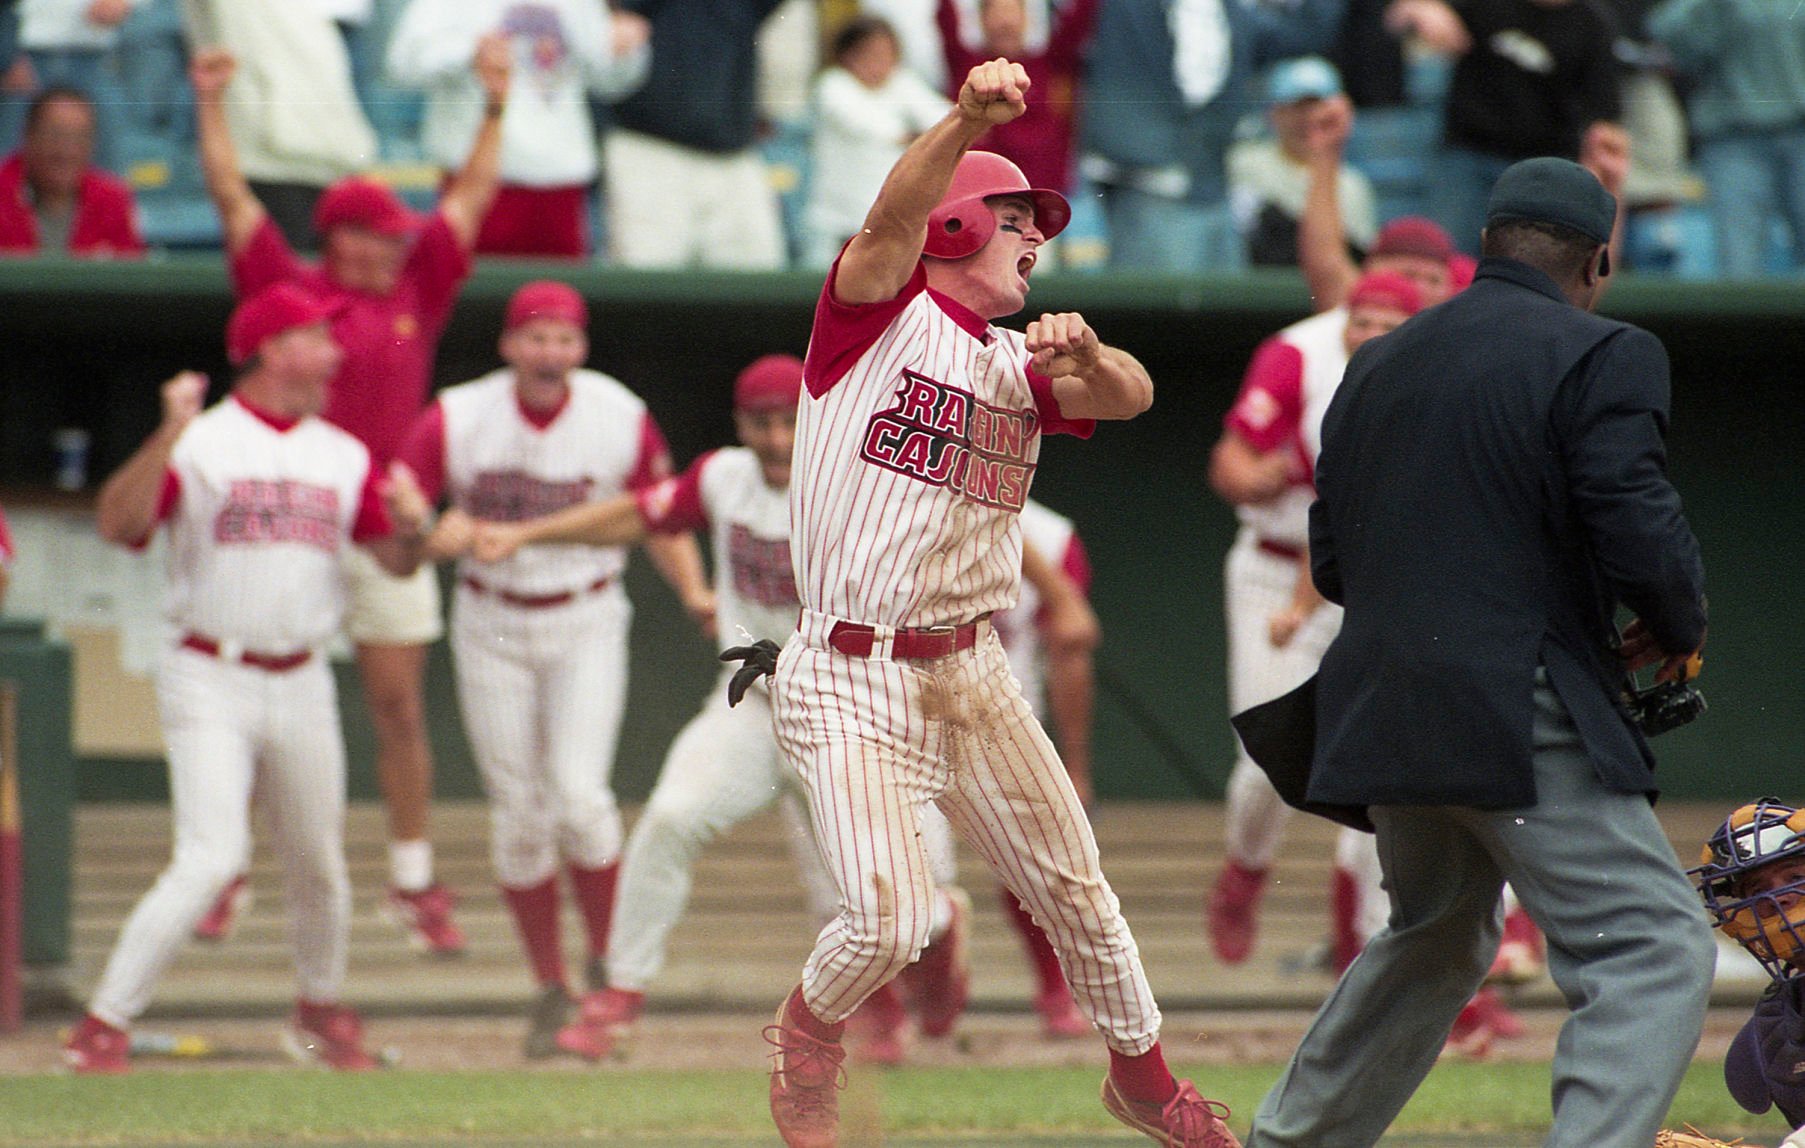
column 1324, row 570
column 1616, row 462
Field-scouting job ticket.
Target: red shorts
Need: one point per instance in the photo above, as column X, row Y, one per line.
column 537, row 221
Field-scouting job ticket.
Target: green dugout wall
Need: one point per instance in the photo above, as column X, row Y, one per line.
column 87, row 345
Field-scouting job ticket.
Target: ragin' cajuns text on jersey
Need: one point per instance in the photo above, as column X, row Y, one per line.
column 916, row 444
column 497, row 462
column 258, row 511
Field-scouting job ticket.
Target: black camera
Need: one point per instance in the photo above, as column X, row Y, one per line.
column 1664, row 706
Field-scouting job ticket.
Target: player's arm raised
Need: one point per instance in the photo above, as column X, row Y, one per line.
column 126, row 511
column 472, row 189
column 240, row 211
column 1091, row 379
column 879, row 260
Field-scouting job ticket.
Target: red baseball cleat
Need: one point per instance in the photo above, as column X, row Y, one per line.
column 1483, row 1021
column 97, row 1047
column 939, row 982
column 1522, row 955
column 222, row 918
column 1185, row 1121
column 1059, row 1015
column 1232, row 912
column 327, row 1034
column 881, row 1027
column 425, row 916
column 604, row 1020
column 806, row 1077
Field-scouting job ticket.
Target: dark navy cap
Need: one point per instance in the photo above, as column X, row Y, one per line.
column 1550, row 190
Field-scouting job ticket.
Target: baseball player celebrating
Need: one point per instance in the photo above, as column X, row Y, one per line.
column 259, row 495
column 916, row 443
column 539, row 640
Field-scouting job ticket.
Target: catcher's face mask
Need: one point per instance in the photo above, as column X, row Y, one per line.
column 1753, row 882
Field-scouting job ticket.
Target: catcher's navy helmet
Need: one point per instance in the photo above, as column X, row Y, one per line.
column 1769, row 923
column 960, row 223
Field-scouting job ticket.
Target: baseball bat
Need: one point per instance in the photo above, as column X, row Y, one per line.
column 12, row 915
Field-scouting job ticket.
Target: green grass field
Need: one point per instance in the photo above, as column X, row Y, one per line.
column 1462, row 1105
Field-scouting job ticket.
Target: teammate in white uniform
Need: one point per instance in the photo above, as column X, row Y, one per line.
column 915, row 447
column 260, row 497
column 539, row 641
column 724, row 765
column 1277, row 628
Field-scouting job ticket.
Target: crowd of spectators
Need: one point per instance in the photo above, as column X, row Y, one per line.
column 690, row 133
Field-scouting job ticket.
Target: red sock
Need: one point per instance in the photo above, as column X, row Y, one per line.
column 535, row 910
column 797, row 1012
column 1344, row 906
column 1143, row 1077
column 595, row 900
column 1034, row 938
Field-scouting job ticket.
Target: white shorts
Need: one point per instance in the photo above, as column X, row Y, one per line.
column 384, row 610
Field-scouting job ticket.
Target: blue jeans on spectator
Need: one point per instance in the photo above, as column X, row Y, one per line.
column 1176, row 236
column 1754, row 178
column 1460, row 182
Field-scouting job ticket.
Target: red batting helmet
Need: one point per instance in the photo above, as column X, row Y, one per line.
column 960, row 223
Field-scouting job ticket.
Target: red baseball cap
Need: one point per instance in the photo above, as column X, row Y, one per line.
column 1414, row 235
column 269, row 313
column 1385, row 289
column 770, row 381
column 358, row 201
column 546, row 299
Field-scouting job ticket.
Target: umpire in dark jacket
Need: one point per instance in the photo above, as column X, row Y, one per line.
column 1492, row 488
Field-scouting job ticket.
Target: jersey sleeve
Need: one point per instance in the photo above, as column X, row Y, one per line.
column 438, row 266
column 168, row 498
column 265, row 260
column 844, row 331
column 1047, row 405
column 372, row 521
column 654, row 461
column 1269, row 408
column 676, row 504
column 6, row 541
column 423, row 450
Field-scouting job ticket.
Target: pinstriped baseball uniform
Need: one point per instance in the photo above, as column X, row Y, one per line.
column 539, row 641
column 916, row 443
column 259, row 510
column 724, row 766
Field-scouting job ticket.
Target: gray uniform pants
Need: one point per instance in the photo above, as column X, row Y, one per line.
column 1628, row 945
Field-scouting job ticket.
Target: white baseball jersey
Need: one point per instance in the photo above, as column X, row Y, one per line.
column 1054, row 536
column 495, row 461
column 915, row 449
column 748, row 523
column 1288, row 386
column 258, row 511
